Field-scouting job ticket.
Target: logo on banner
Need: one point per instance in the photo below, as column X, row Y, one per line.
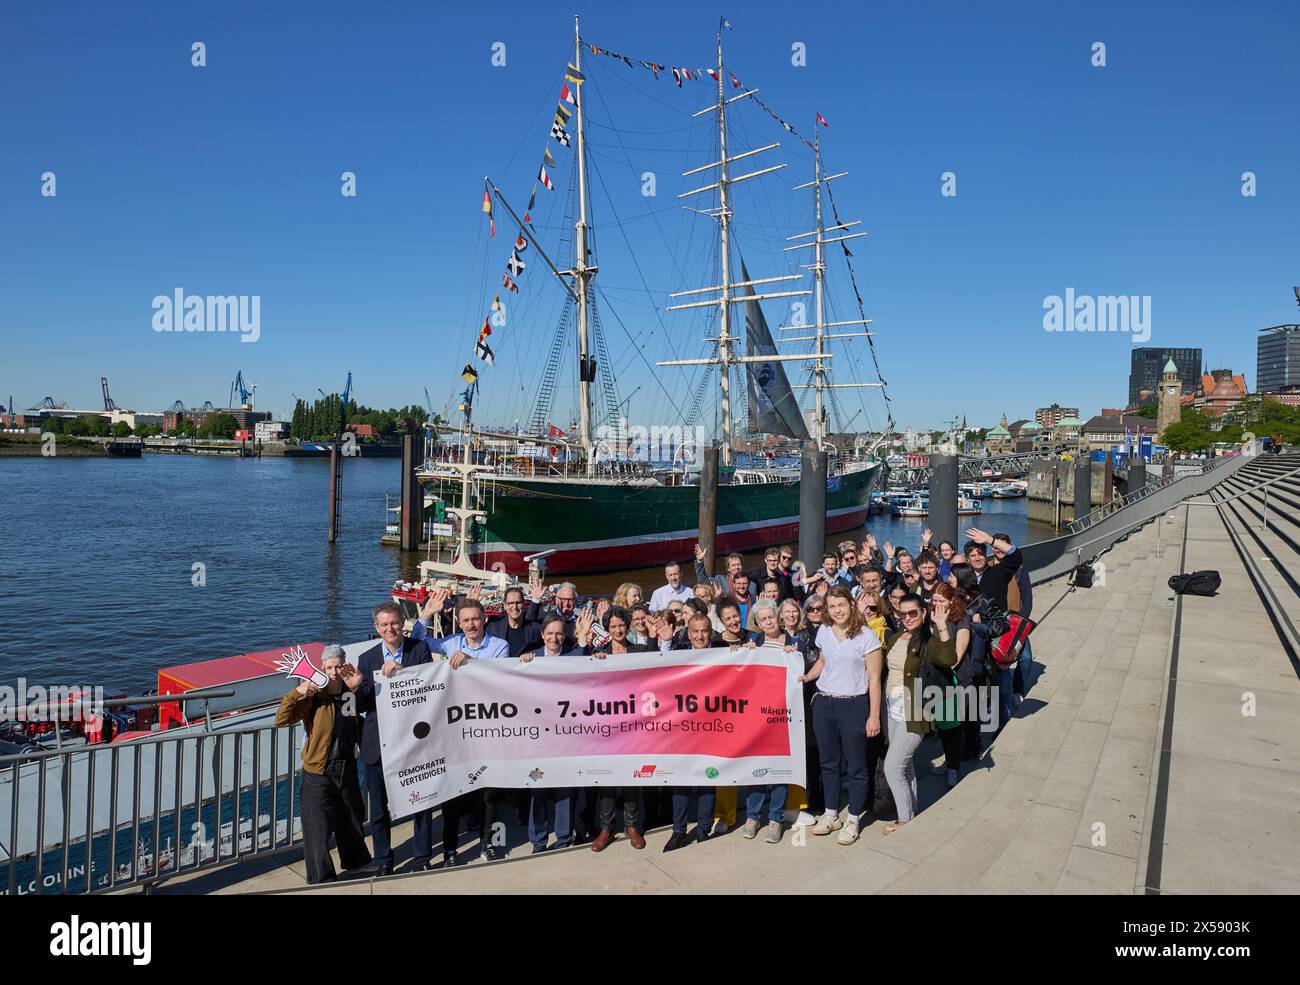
column 644, row 772
column 762, row 772
column 473, row 777
column 535, row 774
column 711, row 772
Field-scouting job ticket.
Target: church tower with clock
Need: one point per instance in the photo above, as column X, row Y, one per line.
column 1170, row 407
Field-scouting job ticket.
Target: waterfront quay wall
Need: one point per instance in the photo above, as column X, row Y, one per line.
column 1051, row 489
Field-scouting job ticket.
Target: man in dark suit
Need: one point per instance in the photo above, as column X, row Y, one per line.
column 393, row 652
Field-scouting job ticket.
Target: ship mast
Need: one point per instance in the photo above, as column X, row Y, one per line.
column 820, row 383
column 582, row 273
column 724, row 221
column 726, row 356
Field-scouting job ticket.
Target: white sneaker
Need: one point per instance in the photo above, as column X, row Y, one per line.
column 750, row 831
column 952, row 779
column 827, row 823
column 850, row 833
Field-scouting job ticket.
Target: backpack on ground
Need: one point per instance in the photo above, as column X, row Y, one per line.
column 1196, row 583
column 1083, row 576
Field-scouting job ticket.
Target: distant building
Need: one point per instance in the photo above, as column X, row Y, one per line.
column 1048, row 416
column 271, row 430
column 1106, row 432
column 998, row 439
column 1113, row 412
column 1277, row 358
column 1220, row 391
column 1147, row 364
column 362, row 430
column 1065, row 434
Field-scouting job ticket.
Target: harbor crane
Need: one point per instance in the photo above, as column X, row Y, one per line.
column 247, row 392
column 109, row 404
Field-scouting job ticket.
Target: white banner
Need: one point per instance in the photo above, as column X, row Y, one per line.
column 684, row 718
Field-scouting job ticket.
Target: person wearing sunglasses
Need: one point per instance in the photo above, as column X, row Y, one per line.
column 920, row 641
column 846, row 710
column 872, row 607
column 849, row 559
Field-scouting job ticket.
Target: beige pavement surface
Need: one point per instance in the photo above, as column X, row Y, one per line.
column 1066, row 798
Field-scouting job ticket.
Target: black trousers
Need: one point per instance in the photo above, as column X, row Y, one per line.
column 953, row 740
column 452, row 811
column 330, row 804
column 381, row 822
column 607, row 802
column 812, row 758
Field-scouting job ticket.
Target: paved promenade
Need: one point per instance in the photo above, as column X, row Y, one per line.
column 1087, row 789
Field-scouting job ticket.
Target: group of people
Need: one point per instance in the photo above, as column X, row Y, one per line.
column 872, row 624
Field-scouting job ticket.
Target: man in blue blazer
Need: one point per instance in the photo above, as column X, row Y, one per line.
column 393, row 652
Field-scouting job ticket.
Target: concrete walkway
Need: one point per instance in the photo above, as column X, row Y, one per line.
column 1065, row 800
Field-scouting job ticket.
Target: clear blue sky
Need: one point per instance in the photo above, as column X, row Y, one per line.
column 225, row 180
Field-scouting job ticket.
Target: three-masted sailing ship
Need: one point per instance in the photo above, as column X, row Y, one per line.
column 517, row 494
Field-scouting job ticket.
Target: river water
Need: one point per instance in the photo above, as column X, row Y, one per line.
column 98, row 556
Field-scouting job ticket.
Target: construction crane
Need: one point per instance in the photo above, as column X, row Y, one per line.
column 247, row 391
column 49, row 403
column 108, row 401
column 176, row 408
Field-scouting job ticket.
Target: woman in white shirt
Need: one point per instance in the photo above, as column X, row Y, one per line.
column 846, row 708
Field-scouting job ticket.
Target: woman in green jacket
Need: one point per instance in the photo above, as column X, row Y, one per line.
column 919, row 641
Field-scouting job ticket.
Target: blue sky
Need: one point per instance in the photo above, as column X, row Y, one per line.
column 1124, row 179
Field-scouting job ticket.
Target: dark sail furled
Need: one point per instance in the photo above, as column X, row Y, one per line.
column 772, row 405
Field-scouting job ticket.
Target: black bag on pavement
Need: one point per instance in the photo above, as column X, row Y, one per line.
column 1196, row 583
column 1083, row 576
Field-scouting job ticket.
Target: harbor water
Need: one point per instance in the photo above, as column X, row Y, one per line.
column 112, row 569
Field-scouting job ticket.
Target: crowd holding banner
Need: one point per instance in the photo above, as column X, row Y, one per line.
column 811, row 693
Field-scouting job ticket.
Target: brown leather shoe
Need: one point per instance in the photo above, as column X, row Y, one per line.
column 602, row 840
column 635, row 837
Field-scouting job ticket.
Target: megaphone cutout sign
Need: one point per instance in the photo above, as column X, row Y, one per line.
column 297, row 664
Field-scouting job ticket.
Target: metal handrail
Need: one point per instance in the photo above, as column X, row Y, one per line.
column 1115, row 505
column 101, row 818
column 1250, row 492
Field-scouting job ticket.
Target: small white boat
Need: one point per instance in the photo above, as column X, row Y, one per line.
column 910, row 506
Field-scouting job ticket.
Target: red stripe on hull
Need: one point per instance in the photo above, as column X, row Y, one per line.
column 587, row 560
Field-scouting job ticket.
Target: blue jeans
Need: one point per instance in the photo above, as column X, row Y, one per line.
column 1024, row 670
column 1006, row 687
column 705, row 797
column 564, row 798
column 774, row 794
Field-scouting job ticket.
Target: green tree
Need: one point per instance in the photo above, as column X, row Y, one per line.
column 147, row 430
column 121, row 430
column 218, row 426
column 53, row 424
column 1149, row 411
column 97, row 426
